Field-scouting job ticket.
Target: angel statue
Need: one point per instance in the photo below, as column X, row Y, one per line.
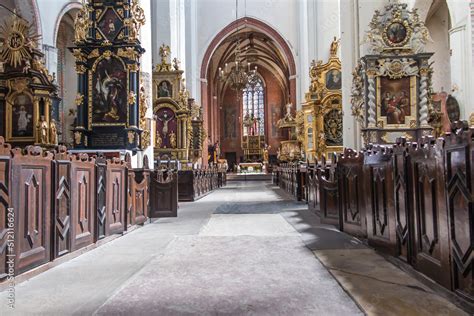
column 81, row 26
column 419, row 39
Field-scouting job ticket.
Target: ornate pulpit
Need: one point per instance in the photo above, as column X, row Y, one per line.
column 392, row 85
column 171, row 109
column 27, row 90
column 107, row 56
column 291, row 149
column 322, row 111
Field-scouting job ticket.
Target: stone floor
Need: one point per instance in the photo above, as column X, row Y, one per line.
column 246, row 249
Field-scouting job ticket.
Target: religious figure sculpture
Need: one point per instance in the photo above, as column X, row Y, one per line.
column 334, row 47
column 159, row 140
column 77, row 137
column 43, row 130
column 53, row 133
column 172, row 140
column 81, row 25
column 165, row 119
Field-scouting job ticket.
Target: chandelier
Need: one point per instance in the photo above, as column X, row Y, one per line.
column 238, row 73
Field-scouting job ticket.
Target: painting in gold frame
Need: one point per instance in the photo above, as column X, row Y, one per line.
column 108, row 86
column 396, row 101
column 21, row 117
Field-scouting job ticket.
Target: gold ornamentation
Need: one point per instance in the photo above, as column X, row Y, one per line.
column 17, row 41
column 81, row 69
column 165, row 65
column 357, row 95
column 132, row 98
column 94, row 54
column 133, row 67
column 77, row 137
column 53, row 133
column 79, row 99
column 471, row 120
column 172, row 140
column 42, row 131
column 158, row 140
column 129, row 53
column 78, row 55
column 176, row 63
column 334, row 47
column 81, row 25
column 131, row 137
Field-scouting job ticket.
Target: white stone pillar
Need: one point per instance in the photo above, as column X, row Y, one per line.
column 146, row 39
column 160, row 25
column 349, row 52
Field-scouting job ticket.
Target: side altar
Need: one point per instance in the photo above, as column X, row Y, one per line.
column 177, row 117
column 321, row 115
column 107, row 51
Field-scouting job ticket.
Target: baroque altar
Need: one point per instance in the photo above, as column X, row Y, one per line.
column 291, row 149
column 28, row 93
column 107, row 52
column 392, row 85
column 321, row 117
column 177, row 117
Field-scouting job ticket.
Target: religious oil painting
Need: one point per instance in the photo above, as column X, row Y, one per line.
column 110, row 24
column 109, row 92
column 165, row 89
column 166, row 128
column 230, row 126
column 333, row 80
column 395, row 99
column 396, row 33
column 22, row 116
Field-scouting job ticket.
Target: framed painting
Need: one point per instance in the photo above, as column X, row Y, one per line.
column 165, row 89
column 110, row 24
column 230, row 119
column 109, row 92
column 333, row 79
column 21, row 118
column 396, row 101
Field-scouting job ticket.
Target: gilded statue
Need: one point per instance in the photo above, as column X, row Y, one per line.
column 131, row 137
column 176, row 64
column 159, row 140
column 334, row 46
column 77, row 137
column 172, row 139
column 53, row 133
column 43, row 130
column 81, row 26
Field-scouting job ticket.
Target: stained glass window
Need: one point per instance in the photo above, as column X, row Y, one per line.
column 253, row 101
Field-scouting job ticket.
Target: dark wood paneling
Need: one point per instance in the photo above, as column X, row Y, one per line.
column 5, row 173
column 459, row 157
column 328, row 194
column 116, row 196
column 101, row 197
column 431, row 248
column 31, row 174
column 164, row 194
column 403, row 201
column 380, row 199
column 352, row 193
column 83, row 186
column 62, row 210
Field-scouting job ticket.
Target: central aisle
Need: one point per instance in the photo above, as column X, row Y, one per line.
column 233, row 252
column 246, row 260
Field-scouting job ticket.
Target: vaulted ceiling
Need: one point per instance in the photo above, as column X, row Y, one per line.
column 257, row 48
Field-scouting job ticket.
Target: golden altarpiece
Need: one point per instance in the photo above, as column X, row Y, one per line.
column 28, row 95
column 110, row 112
column 177, row 118
column 391, row 92
column 321, row 115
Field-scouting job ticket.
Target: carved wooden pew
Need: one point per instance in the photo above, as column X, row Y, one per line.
column 31, row 176
column 164, row 193
column 6, row 221
column 380, row 210
column 352, row 193
column 138, row 194
column 74, row 216
column 328, row 192
column 459, row 171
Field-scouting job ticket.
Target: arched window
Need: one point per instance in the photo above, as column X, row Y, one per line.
column 254, row 106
